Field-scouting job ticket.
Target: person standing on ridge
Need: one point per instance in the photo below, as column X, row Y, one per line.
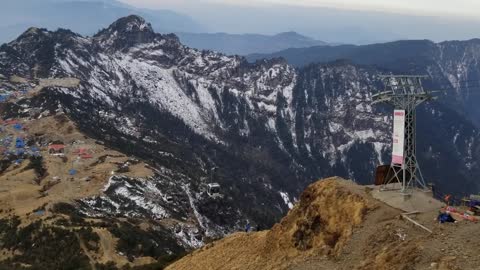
column 247, row 227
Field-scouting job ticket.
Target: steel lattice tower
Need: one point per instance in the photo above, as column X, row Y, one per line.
column 405, row 92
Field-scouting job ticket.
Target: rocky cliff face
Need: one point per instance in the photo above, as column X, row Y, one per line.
column 263, row 131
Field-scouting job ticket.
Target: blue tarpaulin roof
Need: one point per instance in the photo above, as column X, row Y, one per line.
column 19, row 143
column 39, row 212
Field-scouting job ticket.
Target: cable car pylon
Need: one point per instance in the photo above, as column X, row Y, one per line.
column 405, row 93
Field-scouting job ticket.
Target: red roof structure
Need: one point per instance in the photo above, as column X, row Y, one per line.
column 11, row 122
column 56, row 147
column 86, row 156
column 80, row 151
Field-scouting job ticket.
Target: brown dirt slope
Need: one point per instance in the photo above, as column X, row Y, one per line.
column 320, row 224
column 340, row 225
column 22, row 191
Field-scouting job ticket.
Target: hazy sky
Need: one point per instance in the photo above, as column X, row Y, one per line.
column 344, row 21
column 457, row 8
column 337, row 21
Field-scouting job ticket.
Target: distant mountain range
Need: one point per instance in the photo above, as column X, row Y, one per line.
column 243, row 44
column 82, row 16
column 388, row 54
column 87, row 16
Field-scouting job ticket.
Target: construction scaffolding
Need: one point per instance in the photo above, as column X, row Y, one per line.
column 405, row 93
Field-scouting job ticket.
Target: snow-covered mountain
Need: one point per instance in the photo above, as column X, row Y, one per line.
column 83, row 16
column 453, row 66
column 263, row 131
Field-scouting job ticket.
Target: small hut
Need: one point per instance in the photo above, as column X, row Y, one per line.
column 56, row 149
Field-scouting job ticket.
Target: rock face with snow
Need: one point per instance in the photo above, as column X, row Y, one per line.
column 451, row 65
column 262, row 131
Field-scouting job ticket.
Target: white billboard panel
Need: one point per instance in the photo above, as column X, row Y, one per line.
column 398, row 136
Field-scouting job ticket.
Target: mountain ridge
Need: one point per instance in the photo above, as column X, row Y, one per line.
column 244, row 44
column 452, row 66
column 71, row 14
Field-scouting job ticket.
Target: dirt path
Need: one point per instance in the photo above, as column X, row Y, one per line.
column 107, row 246
column 54, row 82
column 85, row 250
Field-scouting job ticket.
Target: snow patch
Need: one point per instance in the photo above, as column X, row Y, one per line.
column 286, row 199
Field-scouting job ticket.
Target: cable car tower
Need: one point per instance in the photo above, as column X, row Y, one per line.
column 405, row 93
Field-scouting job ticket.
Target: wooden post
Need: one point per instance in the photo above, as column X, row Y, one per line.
column 416, row 223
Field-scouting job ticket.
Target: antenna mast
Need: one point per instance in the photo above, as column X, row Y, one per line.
column 405, row 93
